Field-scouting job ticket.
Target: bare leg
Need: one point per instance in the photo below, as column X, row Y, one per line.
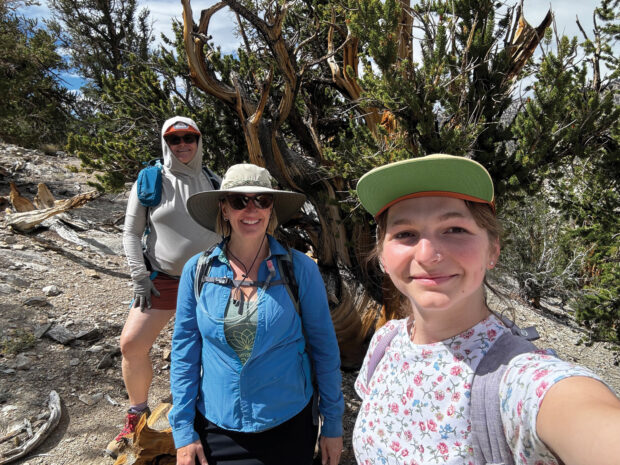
column 139, row 333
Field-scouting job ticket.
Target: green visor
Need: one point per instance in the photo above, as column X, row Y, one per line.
column 433, row 175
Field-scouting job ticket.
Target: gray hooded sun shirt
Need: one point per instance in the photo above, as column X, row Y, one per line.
column 174, row 236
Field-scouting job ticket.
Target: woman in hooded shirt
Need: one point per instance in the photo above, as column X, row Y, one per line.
column 173, row 238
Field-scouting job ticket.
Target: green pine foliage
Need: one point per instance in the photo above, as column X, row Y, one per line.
column 553, row 150
column 567, row 136
column 125, row 130
column 36, row 108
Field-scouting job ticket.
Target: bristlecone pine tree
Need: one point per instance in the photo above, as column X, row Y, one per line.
column 316, row 125
column 319, row 92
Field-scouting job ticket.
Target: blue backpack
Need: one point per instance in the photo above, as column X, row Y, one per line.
column 149, row 182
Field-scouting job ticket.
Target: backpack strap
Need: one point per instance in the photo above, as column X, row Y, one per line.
column 287, row 275
column 489, row 439
column 216, row 181
column 203, row 266
column 379, row 352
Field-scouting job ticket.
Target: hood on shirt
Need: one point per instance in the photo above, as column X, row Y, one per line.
column 170, row 161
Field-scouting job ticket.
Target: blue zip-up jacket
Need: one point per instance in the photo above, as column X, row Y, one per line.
column 275, row 384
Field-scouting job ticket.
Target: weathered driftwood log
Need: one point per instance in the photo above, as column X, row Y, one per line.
column 27, row 220
column 34, row 438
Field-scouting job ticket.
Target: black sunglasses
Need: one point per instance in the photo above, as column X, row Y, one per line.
column 240, row 201
column 187, row 138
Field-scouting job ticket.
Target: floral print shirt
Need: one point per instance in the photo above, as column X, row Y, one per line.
column 415, row 410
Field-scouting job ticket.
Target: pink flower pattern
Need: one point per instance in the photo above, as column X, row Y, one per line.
column 415, row 409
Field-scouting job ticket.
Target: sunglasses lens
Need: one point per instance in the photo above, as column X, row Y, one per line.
column 263, row 200
column 187, row 138
column 239, row 202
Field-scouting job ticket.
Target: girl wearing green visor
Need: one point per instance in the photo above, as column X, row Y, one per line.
column 455, row 383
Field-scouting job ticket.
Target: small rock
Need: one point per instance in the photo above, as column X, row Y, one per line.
column 52, row 290
column 106, row 362
column 111, row 401
column 60, row 334
column 95, row 349
column 19, row 247
column 79, row 248
column 92, row 274
column 8, row 371
column 37, row 301
column 74, row 362
column 16, row 281
column 4, row 245
column 22, row 362
column 6, row 289
column 90, row 399
column 10, row 240
column 41, row 330
column 36, row 267
column 90, row 335
column 166, row 355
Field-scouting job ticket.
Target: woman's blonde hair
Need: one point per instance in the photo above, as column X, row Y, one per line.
column 222, row 226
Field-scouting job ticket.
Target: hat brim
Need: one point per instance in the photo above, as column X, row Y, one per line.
column 433, row 175
column 173, row 131
column 204, row 207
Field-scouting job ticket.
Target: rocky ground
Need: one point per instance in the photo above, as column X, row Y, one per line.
column 64, row 293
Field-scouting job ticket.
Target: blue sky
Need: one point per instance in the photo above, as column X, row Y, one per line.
column 222, row 24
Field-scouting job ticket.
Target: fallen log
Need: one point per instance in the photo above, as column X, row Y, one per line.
column 26, row 221
column 34, row 438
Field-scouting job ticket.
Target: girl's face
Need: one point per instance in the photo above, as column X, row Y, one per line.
column 250, row 221
column 436, row 254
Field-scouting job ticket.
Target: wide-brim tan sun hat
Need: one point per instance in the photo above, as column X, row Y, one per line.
column 433, row 175
column 244, row 178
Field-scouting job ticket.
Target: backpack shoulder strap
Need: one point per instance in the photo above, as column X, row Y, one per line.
column 379, row 352
column 489, row 440
column 203, row 266
column 216, row 181
column 287, row 275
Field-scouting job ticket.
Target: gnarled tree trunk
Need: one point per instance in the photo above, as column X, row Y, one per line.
column 282, row 134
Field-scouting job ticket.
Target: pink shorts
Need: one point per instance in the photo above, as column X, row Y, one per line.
column 168, row 288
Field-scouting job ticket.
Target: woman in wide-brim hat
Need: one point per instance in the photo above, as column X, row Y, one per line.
column 241, row 375
column 437, row 236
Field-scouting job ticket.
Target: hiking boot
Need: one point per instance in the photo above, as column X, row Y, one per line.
column 121, row 441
